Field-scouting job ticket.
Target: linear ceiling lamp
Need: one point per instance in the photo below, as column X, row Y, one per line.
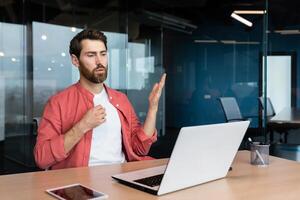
column 287, row 32
column 171, row 22
column 239, row 42
column 206, row 41
column 241, row 19
column 250, row 12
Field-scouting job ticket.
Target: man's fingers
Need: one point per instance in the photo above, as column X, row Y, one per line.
column 100, row 113
column 161, row 84
column 157, row 88
column 100, row 119
column 103, row 120
column 162, row 80
column 154, row 89
column 98, row 107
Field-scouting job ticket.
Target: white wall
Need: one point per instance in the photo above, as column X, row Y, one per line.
column 279, row 81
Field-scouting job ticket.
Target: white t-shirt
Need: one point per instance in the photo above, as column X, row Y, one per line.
column 106, row 147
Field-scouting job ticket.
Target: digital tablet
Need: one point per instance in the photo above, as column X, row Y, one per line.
column 75, row 191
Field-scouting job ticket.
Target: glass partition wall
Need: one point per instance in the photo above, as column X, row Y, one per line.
column 206, row 51
column 282, row 71
column 219, row 56
column 35, row 64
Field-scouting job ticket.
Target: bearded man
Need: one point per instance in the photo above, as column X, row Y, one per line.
column 89, row 123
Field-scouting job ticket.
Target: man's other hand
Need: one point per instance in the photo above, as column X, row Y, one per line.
column 92, row 118
column 156, row 93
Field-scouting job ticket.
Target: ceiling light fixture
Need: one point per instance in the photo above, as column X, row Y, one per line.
column 44, row 37
column 228, row 41
column 171, row 22
column 241, row 19
column 287, row 32
column 206, row 41
column 239, row 42
column 250, row 12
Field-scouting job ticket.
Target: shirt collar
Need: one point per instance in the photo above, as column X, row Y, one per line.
column 89, row 94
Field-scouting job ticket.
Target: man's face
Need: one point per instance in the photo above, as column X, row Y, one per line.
column 93, row 61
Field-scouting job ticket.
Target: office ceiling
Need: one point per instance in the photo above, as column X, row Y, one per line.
column 282, row 14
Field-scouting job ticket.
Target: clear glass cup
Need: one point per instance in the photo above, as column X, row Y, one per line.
column 259, row 154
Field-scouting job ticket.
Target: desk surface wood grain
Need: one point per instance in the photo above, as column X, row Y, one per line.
column 280, row 180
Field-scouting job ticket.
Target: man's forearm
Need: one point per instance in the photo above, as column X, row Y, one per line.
column 72, row 137
column 150, row 122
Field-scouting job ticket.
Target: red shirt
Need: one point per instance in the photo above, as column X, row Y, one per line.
column 65, row 109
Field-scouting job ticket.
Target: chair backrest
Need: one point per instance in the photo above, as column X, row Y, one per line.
column 36, row 123
column 270, row 109
column 231, row 109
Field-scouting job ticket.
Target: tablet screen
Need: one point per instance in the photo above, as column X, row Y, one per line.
column 76, row 191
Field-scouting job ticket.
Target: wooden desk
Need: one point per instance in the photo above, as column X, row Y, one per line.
column 280, row 180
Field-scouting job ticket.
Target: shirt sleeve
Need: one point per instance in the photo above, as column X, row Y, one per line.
column 49, row 148
column 141, row 143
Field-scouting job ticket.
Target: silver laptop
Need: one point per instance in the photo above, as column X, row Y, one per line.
column 201, row 154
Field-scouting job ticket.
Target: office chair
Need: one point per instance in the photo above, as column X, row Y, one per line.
column 231, row 109
column 271, row 127
column 270, row 109
column 232, row 113
column 35, row 123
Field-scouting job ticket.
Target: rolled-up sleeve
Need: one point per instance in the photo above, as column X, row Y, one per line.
column 141, row 143
column 49, row 148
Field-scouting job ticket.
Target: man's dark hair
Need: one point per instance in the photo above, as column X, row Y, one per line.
column 91, row 34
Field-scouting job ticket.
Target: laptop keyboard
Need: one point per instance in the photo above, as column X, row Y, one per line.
column 151, row 180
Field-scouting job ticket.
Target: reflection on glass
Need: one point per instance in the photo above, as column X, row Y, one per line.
column 2, row 107
column 140, row 65
column 12, row 76
column 142, row 74
column 51, row 70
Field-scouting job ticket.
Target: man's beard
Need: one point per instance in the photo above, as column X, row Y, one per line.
column 92, row 76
